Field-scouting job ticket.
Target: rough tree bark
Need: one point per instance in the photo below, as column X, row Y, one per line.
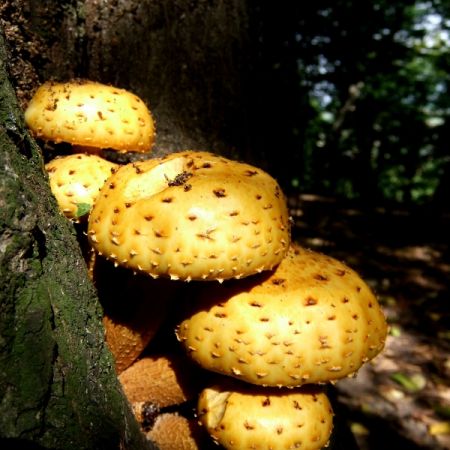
column 58, row 387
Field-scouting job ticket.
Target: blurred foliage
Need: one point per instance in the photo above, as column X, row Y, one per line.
column 357, row 98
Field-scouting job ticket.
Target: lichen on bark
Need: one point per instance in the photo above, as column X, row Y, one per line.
column 58, row 387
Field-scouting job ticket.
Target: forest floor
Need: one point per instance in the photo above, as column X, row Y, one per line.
column 401, row 400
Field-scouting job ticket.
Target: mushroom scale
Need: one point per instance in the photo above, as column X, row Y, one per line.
column 255, row 417
column 311, row 320
column 191, row 215
column 92, row 115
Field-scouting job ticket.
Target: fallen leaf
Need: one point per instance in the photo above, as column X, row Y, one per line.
column 439, row 428
column 395, row 331
column 412, row 383
column 83, row 209
column 359, row 429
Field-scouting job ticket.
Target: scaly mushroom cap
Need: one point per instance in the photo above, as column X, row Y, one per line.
column 191, row 215
column 90, row 114
column 311, row 320
column 76, row 180
column 256, row 417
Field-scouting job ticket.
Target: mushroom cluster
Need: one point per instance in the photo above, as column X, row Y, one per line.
column 91, row 117
column 263, row 325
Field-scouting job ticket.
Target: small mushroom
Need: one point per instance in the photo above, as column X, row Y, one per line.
column 76, row 180
column 250, row 417
column 191, row 216
column 311, row 320
column 91, row 115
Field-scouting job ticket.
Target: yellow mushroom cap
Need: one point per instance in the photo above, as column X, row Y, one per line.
column 76, row 180
column 312, row 320
column 90, row 114
column 255, row 417
column 191, row 215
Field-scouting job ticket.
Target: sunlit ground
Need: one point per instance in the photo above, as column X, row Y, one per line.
column 401, row 399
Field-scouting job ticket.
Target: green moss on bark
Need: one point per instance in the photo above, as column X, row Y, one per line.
column 58, row 388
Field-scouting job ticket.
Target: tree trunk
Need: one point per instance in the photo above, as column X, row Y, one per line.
column 189, row 61
column 58, row 386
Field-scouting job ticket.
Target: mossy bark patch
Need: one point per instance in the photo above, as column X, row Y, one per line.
column 58, row 387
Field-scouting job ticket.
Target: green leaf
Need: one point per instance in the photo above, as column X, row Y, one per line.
column 395, row 331
column 359, row 429
column 83, row 209
column 412, row 384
